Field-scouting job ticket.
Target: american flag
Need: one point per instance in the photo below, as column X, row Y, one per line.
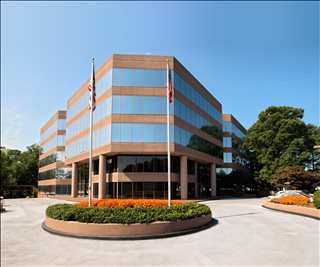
column 169, row 87
column 92, row 90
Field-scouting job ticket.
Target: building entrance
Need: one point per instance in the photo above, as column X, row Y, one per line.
column 83, row 183
column 204, row 185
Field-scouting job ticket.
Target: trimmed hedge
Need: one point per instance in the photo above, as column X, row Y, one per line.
column 316, row 199
column 120, row 215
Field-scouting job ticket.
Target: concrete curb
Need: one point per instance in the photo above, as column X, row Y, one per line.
column 298, row 210
column 122, row 232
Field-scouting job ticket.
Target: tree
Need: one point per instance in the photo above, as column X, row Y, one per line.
column 295, row 177
column 29, row 165
column 19, row 168
column 8, row 159
column 315, row 157
column 279, row 138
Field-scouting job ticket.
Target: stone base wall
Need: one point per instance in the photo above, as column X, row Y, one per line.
column 124, row 230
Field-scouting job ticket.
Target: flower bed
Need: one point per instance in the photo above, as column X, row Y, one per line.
column 126, row 221
column 129, row 203
column 292, row 200
column 126, row 215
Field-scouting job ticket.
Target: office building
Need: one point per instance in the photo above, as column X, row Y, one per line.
column 54, row 176
column 234, row 157
column 129, row 132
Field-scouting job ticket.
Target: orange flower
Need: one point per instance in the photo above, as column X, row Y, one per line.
column 129, row 203
column 292, row 200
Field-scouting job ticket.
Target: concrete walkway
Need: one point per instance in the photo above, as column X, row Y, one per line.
column 246, row 235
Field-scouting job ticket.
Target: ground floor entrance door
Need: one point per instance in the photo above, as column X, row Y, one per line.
column 204, row 183
column 83, row 180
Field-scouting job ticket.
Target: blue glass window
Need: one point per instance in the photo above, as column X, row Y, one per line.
column 108, row 134
column 227, row 157
column 126, row 105
column 148, row 102
column 177, row 131
column 116, row 104
column 137, row 105
column 171, row 133
column 109, row 106
column 183, row 137
column 188, row 91
column 183, row 111
column 160, row 133
column 148, row 78
column 98, row 88
column 137, row 132
column 193, row 118
column 177, row 107
column 227, row 142
column 117, row 77
column 126, row 132
column 116, row 132
column 126, row 77
column 159, row 105
column 61, row 140
column 160, row 80
column 103, row 135
column 171, row 107
column 137, row 77
column 61, row 124
column 148, row 133
column 108, row 79
column 98, row 137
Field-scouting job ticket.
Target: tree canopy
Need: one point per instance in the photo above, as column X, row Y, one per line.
column 19, row 168
column 295, row 177
column 280, row 138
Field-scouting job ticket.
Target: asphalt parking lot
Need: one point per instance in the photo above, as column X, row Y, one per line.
column 246, row 235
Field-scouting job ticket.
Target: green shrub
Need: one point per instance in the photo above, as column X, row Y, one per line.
column 316, row 199
column 68, row 212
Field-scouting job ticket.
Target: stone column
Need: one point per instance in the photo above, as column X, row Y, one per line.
column 102, row 176
column 213, row 180
column 196, row 175
column 74, row 179
column 184, row 177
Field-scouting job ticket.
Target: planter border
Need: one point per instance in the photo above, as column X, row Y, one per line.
column 293, row 209
column 140, row 231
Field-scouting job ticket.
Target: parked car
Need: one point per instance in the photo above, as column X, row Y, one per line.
column 277, row 195
column 286, row 193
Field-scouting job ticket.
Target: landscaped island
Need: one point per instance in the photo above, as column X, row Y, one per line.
column 126, row 218
column 297, row 205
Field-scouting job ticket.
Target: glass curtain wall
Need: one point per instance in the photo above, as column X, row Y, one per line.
column 150, row 190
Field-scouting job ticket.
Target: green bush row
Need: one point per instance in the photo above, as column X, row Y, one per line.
column 67, row 212
column 316, row 199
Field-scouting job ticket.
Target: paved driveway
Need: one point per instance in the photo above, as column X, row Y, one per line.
column 246, row 235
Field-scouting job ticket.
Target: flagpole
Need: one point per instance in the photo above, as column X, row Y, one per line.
column 90, row 136
column 168, row 136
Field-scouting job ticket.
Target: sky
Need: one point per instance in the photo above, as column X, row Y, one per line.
column 249, row 55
